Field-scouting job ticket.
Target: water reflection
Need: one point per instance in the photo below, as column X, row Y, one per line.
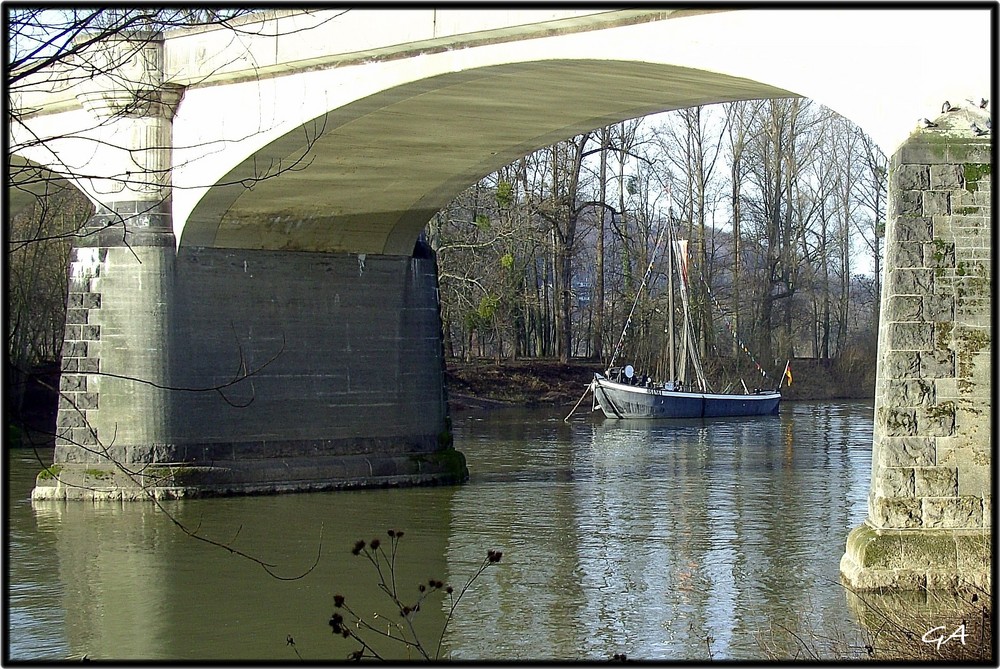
column 135, row 587
column 33, row 591
column 679, row 540
column 660, row 540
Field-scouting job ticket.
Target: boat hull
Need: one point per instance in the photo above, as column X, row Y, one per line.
column 619, row 400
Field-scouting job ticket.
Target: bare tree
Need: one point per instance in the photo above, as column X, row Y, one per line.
column 694, row 147
column 597, row 336
column 872, row 192
column 562, row 211
column 783, row 265
column 845, row 148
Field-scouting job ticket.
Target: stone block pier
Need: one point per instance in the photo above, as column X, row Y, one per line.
column 930, row 504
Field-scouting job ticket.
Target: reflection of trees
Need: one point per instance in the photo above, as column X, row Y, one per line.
column 519, row 611
column 796, row 514
column 637, row 541
column 134, row 588
column 690, row 537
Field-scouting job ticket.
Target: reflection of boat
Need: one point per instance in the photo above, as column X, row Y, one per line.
column 621, row 393
column 624, row 399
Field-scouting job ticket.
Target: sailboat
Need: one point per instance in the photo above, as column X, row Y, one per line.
column 623, row 393
column 622, row 397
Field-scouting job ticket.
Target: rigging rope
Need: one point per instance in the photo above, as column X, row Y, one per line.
column 638, row 294
column 732, row 330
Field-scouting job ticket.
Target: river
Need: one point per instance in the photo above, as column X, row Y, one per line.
column 679, row 540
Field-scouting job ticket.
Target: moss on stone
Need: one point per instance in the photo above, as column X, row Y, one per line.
column 941, row 249
column 969, row 343
column 976, row 547
column 451, row 463
column 936, row 143
column 899, row 422
column 943, row 329
column 49, row 473
column 929, row 548
column 158, row 472
column 974, row 172
column 976, row 281
column 172, row 476
column 873, row 550
column 943, row 410
column 181, row 476
column 972, row 342
column 895, row 552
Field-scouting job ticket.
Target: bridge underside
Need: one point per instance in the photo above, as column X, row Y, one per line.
column 366, row 178
column 291, row 339
column 29, row 184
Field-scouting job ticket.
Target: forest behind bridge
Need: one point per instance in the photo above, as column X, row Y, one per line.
column 783, row 206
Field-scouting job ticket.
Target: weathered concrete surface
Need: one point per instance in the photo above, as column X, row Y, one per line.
column 261, row 371
column 930, row 505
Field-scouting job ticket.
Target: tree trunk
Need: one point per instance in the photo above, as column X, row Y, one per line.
column 598, row 336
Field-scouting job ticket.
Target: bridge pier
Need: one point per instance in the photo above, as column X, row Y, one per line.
column 929, row 506
column 199, row 371
column 117, row 319
column 233, row 372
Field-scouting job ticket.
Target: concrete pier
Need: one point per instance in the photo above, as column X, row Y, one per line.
column 269, row 371
column 198, row 371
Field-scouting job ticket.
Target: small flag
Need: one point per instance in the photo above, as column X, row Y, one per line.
column 788, row 372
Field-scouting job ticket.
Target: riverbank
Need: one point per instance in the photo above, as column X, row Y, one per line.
column 485, row 383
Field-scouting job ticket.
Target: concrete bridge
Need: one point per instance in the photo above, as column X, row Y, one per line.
column 253, row 312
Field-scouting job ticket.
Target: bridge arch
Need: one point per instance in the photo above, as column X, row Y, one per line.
column 360, row 93
column 501, row 99
column 426, row 141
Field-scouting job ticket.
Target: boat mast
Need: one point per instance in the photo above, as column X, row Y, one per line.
column 680, row 247
column 670, row 296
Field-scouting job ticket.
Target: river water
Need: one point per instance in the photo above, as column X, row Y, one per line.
column 681, row 540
